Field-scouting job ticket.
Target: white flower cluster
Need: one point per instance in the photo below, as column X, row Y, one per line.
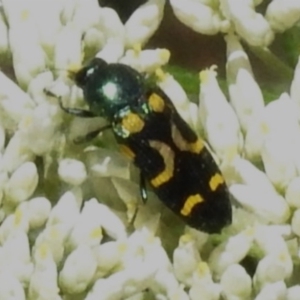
column 239, row 16
column 55, row 244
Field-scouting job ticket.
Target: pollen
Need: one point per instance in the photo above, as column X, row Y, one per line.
column 190, row 203
column 96, row 233
column 215, row 181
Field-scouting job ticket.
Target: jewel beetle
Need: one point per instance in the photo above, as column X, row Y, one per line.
column 171, row 157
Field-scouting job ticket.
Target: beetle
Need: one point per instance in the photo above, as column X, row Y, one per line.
column 170, row 156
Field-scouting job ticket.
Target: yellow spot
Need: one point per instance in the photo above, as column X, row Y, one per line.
column 156, row 103
column 127, row 151
column 215, row 181
column 168, row 156
column 24, row 15
column 132, row 123
column 196, row 147
column 96, row 233
column 189, row 204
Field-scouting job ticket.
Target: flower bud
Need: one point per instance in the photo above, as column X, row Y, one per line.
column 218, row 118
column 185, row 259
column 236, row 283
column 283, row 15
column 199, row 16
column 78, row 270
column 203, row 286
column 144, row 21
column 245, row 94
column 72, row 171
column 231, row 251
column 21, row 184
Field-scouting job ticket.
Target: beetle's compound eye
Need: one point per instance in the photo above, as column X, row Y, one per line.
column 88, row 70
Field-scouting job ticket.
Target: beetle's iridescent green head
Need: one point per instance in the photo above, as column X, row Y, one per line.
column 107, row 88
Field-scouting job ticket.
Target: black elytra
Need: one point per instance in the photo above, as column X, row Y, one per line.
column 149, row 130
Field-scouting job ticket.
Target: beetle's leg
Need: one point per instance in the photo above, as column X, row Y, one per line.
column 143, row 190
column 91, row 135
column 82, row 113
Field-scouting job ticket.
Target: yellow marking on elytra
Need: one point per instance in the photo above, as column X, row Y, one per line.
column 127, row 151
column 133, row 123
column 168, row 157
column 215, row 181
column 189, row 204
column 196, row 147
column 183, row 145
column 156, row 103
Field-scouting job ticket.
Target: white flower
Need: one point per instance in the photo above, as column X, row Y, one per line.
column 108, row 256
column 146, row 60
column 293, row 292
column 72, row 171
column 16, row 153
column 199, row 16
column 21, row 184
column 218, row 118
column 272, row 291
column 38, row 210
column 43, row 282
column 296, row 222
column 11, row 288
column 272, row 268
column 249, row 24
column 87, row 227
column 236, row 283
column 203, row 286
column 185, row 259
column 230, row 252
column 283, row 14
column 292, row 193
column 245, row 94
column 18, row 221
column 295, row 90
column 66, row 211
column 78, row 270
column 144, row 22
